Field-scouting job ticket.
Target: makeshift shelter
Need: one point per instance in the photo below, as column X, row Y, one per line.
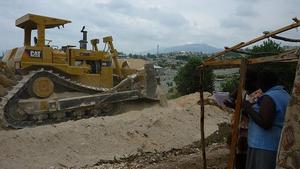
column 289, row 148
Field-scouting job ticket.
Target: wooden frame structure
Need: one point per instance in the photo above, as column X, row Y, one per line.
column 214, row 62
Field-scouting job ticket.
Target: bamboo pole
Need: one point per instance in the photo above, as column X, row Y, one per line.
column 267, row 35
column 237, row 113
column 285, row 39
column 288, row 56
column 202, row 117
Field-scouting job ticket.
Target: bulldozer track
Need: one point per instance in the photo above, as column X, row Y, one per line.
column 9, row 101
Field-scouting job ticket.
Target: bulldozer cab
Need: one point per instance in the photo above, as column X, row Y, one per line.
column 31, row 22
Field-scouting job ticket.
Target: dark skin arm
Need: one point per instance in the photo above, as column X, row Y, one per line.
column 266, row 115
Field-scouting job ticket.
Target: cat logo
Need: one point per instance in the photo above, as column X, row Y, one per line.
column 35, row 53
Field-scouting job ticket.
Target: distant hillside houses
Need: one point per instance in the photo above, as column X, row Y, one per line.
column 193, row 47
column 2, row 54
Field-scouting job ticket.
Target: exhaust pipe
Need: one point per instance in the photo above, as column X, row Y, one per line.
column 83, row 42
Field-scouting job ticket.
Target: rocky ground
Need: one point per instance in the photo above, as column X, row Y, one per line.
column 187, row 157
column 146, row 136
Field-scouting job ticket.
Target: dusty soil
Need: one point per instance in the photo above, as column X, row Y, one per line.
column 85, row 143
column 187, row 157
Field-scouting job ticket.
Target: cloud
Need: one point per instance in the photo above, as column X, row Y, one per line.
column 124, row 9
column 246, row 11
column 235, row 23
column 139, row 25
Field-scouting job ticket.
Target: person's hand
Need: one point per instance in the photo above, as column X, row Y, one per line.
column 248, row 106
column 244, row 122
column 228, row 103
column 255, row 95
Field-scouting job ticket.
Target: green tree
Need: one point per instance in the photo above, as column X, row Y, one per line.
column 285, row 71
column 231, row 83
column 266, row 48
column 187, row 78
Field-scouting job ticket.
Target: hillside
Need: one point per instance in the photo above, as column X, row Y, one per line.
column 204, row 48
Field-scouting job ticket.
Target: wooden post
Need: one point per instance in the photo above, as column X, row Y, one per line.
column 202, row 117
column 237, row 112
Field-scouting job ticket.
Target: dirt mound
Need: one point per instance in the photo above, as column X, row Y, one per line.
column 84, row 142
column 187, row 157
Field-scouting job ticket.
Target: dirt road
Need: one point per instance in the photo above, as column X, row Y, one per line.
column 85, row 142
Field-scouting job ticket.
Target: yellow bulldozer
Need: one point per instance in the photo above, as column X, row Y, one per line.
column 44, row 84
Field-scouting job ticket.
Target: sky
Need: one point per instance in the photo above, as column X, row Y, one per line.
column 140, row 25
